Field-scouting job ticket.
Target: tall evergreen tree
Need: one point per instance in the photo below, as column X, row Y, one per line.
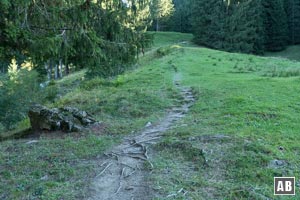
column 232, row 26
column 13, row 39
column 104, row 36
column 275, row 23
column 293, row 14
column 161, row 9
column 180, row 21
column 208, row 22
column 244, row 27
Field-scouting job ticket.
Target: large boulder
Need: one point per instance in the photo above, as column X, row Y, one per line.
column 65, row 119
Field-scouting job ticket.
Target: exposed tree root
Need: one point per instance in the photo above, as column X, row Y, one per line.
column 127, row 160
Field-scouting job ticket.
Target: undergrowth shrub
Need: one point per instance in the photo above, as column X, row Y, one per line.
column 2, row 128
column 163, row 51
column 17, row 93
column 23, row 124
column 92, row 83
column 51, row 91
column 120, row 80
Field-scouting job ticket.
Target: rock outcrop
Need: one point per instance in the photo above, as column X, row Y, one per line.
column 65, row 119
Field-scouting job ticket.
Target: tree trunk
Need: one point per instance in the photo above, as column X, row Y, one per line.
column 56, row 74
column 50, row 69
column 18, row 66
column 157, row 25
column 67, row 69
column 60, row 68
column 47, row 68
column 293, row 22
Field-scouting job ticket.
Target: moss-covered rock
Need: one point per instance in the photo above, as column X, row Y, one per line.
column 67, row 119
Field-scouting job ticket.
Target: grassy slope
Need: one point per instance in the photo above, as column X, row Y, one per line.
column 60, row 167
column 251, row 99
column 170, row 38
column 255, row 101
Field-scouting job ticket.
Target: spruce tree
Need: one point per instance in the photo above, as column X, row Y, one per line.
column 180, row 21
column 293, row 15
column 275, row 24
column 244, row 28
column 208, row 23
column 232, row 26
column 104, row 36
column 161, row 9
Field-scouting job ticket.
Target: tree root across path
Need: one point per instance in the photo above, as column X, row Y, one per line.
column 123, row 175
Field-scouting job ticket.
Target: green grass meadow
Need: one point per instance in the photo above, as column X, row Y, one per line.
column 246, row 116
column 254, row 101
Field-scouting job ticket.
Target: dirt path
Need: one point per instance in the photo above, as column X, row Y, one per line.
column 123, row 175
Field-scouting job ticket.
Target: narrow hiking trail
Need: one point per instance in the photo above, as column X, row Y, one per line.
column 123, row 175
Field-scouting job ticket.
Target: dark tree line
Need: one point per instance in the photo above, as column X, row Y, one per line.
column 249, row 26
column 180, row 19
column 292, row 8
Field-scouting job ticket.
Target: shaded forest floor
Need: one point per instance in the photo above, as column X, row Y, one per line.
column 241, row 132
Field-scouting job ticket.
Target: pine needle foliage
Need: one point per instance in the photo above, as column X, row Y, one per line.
column 104, row 36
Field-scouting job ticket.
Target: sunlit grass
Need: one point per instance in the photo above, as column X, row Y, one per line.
column 254, row 101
